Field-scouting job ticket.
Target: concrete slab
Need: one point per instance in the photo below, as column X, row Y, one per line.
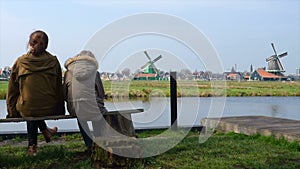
column 268, row 126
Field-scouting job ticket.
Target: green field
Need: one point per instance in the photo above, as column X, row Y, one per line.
column 219, row 151
column 134, row 89
column 3, row 89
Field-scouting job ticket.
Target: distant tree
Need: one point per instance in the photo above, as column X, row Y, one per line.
column 186, row 71
column 126, row 72
column 186, row 74
column 207, row 75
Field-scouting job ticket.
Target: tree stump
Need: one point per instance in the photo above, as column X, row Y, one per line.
column 105, row 152
column 111, row 149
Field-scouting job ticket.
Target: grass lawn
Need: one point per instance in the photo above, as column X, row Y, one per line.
column 219, row 151
column 3, row 89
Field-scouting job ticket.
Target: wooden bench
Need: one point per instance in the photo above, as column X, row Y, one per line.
column 60, row 117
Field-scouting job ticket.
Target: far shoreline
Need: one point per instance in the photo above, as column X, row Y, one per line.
column 145, row 89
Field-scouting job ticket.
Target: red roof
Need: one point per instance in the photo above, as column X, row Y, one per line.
column 266, row 74
column 232, row 75
column 145, row 75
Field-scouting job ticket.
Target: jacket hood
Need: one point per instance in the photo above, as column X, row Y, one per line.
column 33, row 63
column 81, row 58
column 82, row 67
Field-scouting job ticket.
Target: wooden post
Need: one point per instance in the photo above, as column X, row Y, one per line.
column 173, row 92
column 114, row 143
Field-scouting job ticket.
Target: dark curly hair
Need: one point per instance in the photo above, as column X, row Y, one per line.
column 38, row 42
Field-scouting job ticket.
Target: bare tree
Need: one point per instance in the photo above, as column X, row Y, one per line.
column 186, row 74
column 207, row 75
column 126, row 72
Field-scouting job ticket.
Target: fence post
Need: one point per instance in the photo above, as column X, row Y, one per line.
column 173, row 92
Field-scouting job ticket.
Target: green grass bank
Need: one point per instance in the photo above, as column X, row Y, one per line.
column 134, row 89
column 219, row 151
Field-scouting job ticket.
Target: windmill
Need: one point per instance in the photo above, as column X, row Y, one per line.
column 149, row 70
column 274, row 64
column 149, row 67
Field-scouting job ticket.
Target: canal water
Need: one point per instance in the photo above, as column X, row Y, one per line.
column 190, row 111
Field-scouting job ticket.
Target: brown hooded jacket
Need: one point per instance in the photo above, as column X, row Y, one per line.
column 35, row 87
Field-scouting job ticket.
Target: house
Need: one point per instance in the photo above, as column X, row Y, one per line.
column 247, row 77
column 233, row 76
column 262, row 75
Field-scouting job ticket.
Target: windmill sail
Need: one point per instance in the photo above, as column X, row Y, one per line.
column 147, row 55
column 272, row 44
column 282, row 55
column 145, row 65
column 156, row 59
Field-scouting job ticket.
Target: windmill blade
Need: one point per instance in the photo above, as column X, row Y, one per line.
column 280, row 67
column 147, row 64
column 282, row 55
column 156, row 59
column 274, row 48
column 155, row 68
column 273, row 57
column 147, row 55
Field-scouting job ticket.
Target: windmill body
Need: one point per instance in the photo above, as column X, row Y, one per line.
column 274, row 63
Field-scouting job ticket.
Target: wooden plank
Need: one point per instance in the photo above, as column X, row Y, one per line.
column 60, row 117
column 249, row 125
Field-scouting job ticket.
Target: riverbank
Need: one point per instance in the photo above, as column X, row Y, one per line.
column 144, row 89
column 219, row 151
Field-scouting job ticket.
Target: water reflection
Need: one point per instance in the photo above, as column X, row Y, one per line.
column 274, row 110
column 190, row 111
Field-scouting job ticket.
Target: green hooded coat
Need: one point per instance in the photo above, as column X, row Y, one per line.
column 35, row 87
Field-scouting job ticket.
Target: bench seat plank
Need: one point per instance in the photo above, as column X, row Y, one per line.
column 59, row 117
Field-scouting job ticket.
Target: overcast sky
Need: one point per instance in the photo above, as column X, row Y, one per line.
column 240, row 31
